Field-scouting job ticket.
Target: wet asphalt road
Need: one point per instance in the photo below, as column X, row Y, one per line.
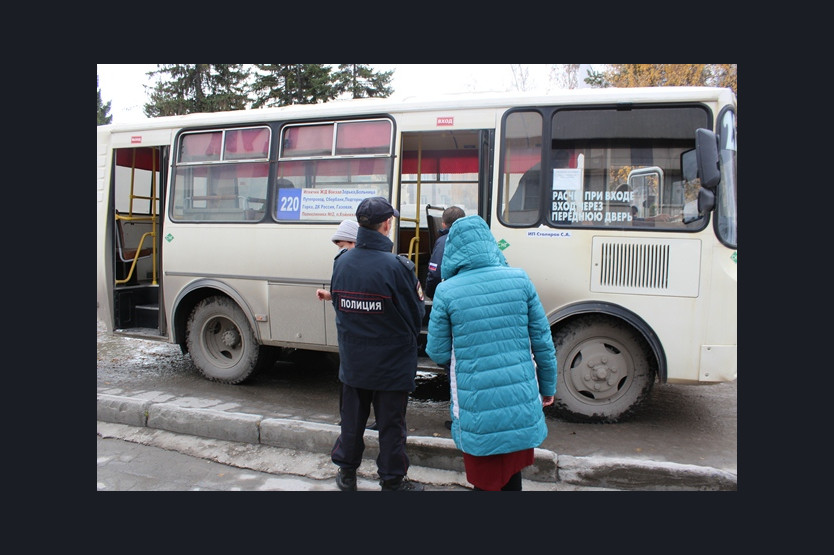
column 680, row 424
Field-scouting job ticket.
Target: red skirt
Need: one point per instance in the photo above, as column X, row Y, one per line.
column 492, row 472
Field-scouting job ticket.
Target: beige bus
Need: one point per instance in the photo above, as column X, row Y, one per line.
column 213, row 229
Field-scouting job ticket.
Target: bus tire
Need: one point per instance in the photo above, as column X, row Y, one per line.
column 605, row 370
column 221, row 342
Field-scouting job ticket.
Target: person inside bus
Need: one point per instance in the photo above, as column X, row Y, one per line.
column 448, row 217
column 435, row 262
column 488, row 323
column 379, row 313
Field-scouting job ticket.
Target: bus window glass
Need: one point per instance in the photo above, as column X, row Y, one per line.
column 140, row 168
column 215, row 178
column 726, row 210
column 307, row 140
column 363, row 137
column 446, row 178
column 328, row 190
column 228, row 192
column 200, row 147
column 323, row 177
column 519, row 192
column 247, row 144
column 622, row 168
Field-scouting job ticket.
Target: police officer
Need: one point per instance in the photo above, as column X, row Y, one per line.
column 379, row 311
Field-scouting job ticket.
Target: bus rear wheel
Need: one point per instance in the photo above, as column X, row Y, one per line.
column 605, row 370
column 221, row 342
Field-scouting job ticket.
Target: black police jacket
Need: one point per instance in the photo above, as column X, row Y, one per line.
column 379, row 311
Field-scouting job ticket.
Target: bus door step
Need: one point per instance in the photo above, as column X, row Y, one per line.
column 147, row 316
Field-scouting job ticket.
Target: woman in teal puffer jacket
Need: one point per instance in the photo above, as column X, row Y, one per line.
column 488, row 324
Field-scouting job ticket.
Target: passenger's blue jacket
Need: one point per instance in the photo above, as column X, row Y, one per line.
column 379, row 312
column 487, row 321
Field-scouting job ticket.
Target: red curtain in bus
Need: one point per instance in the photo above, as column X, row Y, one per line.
column 143, row 158
column 346, row 167
column 363, row 137
column 230, row 171
column 247, row 143
column 442, row 161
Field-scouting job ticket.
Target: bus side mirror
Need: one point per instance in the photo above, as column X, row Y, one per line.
column 706, row 200
column 706, row 149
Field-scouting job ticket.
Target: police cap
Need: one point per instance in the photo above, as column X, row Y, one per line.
column 374, row 210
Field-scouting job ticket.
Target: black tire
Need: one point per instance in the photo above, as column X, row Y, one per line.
column 605, row 370
column 221, row 342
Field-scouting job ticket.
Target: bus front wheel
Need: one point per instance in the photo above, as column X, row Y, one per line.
column 221, row 342
column 605, row 370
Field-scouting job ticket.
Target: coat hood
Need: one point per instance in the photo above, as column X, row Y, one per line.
column 470, row 245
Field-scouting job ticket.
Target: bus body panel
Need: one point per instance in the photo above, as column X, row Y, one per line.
column 272, row 270
column 278, row 279
column 564, row 277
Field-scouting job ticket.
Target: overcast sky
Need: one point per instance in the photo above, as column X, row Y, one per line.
column 122, row 84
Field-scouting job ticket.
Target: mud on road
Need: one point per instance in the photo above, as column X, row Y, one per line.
column 678, row 423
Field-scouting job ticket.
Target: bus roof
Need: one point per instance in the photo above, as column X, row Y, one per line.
column 375, row 106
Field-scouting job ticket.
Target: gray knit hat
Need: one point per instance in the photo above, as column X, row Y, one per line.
column 346, row 231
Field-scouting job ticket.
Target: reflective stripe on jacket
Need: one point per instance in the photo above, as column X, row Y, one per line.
column 379, row 311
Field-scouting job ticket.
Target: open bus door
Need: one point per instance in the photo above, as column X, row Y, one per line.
column 137, row 180
column 439, row 169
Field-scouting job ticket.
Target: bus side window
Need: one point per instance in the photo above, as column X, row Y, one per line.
column 520, row 193
column 525, row 201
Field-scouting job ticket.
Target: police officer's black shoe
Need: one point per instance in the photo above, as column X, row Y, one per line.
column 401, row 484
column 346, row 479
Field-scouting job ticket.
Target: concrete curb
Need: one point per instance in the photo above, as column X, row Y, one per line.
column 431, row 452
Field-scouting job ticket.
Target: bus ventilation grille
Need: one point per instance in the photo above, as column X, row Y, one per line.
column 637, row 265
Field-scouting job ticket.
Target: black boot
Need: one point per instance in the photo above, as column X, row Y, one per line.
column 401, row 483
column 346, row 479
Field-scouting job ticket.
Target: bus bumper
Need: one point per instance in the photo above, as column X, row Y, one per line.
column 719, row 363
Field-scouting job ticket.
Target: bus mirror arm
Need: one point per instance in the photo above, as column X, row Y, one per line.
column 706, row 202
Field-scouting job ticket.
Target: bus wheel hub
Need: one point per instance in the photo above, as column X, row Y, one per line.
column 600, row 374
column 230, row 338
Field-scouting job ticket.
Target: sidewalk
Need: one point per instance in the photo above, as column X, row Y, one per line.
column 434, row 460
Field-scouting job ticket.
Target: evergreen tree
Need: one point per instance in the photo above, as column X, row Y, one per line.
column 285, row 84
column 360, row 81
column 197, row 88
column 102, row 116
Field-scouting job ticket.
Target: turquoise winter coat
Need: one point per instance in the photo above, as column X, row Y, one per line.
column 488, row 324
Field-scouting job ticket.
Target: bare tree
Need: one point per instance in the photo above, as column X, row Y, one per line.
column 564, row 76
column 521, row 77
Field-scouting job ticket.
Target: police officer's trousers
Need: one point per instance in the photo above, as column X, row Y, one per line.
column 389, row 409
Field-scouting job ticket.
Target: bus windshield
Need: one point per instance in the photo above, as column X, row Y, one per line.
column 726, row 212
column 609, row 168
